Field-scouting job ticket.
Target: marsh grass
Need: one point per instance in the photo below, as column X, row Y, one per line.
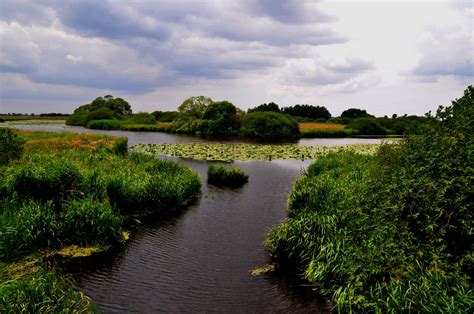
column 390, row 232
column 226, row 176
column 73, row 190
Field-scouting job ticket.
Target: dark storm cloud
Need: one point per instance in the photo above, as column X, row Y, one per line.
column 136, row 46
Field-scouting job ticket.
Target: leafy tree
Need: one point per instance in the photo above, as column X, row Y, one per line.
column 11, row 146
column 308, row 111
column 101, row 108
column 220, row 118
column 272, row 107
column 367, row 126
column 269, row 125
column 194, row 107
column 165, row 116
column 355, row 113
column 141, row 118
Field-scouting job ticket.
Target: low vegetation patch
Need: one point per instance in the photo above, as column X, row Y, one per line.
column 76, row 190
column 390, row 232
column 226, row 176
column 231, row 152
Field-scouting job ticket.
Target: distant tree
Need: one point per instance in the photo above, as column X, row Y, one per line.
column 141, row 118
column 272, row 107
column 354, row 113
column 194, row 107
column 165, row 116
column 106, row 107
column 308, row 111
column 269, row 125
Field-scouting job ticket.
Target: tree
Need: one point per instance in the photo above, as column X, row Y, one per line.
column 272, row 107
column 308, row 111
column 194, row 107
column 355, row 113
column 220, row 118
column 269, row 125
column 106, row 107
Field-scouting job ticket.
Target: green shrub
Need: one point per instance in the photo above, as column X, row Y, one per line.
column 269, row 125
column 121, row 146
column 392, row 232
column 226, row 176
column 329, row 133
column 143, row 128
column 42, row 292
column 367, row 126
column 141, row 118
column 90, row 222
column 105, row 124
column 11, row 146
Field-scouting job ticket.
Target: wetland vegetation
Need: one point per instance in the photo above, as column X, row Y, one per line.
column 226, row 176
column 391, row 232
column 73, row 190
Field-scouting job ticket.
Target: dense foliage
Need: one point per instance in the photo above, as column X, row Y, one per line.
column 165, row 116
column 308, row 111
column 200, row 115
column 391, row 232
column 101, row 108
column 367, row 126
column 269, row 125
column 11, row 146
column 226, row 176
column 354, row 113
column 272, row 107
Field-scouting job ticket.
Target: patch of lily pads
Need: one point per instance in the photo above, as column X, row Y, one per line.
column 242, row 152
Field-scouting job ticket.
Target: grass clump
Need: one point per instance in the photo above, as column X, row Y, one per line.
column 42, row 292
column 226, row 176
column 390, row 232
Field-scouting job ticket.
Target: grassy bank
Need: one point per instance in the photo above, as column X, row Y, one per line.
column 75, row 190
column 390, row 232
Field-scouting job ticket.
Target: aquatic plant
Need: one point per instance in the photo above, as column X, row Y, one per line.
column 231, row 152
column 226, row 176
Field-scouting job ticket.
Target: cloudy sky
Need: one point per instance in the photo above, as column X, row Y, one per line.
column 386, row 57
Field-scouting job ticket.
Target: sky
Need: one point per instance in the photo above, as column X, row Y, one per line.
column 400, row 57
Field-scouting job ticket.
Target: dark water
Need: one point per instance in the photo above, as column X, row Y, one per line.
column 159, row 137
column 200, row 260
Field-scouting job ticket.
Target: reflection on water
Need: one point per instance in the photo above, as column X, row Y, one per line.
column 200, row 260
column 159, row 137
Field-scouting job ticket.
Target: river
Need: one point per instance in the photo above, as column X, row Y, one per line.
column 200, row 260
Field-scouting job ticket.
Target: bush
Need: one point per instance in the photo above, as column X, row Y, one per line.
column 11, row 146
column 328, row 133
column 392, row 232
column 141, row 118
column 105, row 124
column 121, row 146
column 269, row 125
column 226, row 176
column 144, row 128
column 367, row 126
